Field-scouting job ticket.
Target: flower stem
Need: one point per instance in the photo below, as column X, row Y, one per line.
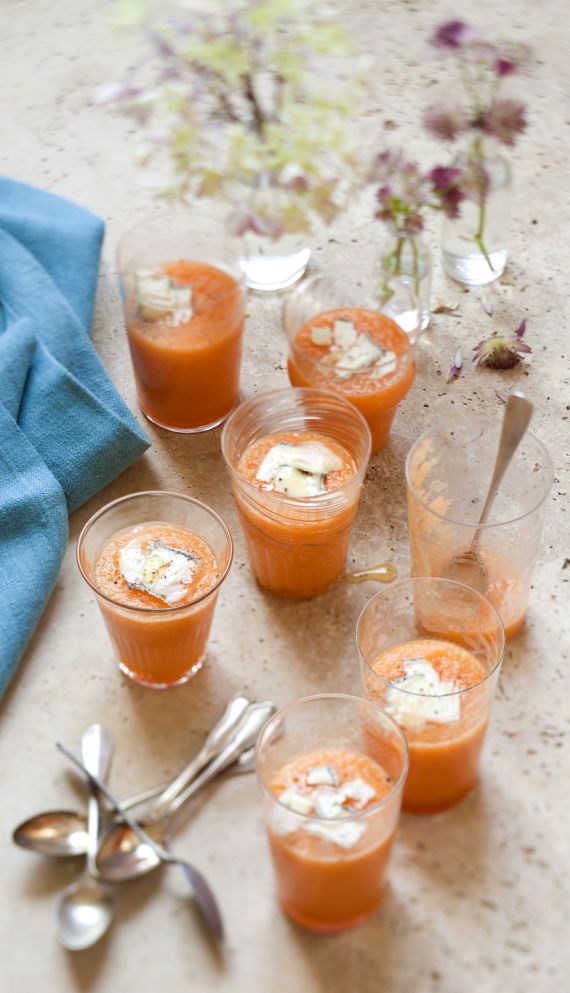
column 479, row 235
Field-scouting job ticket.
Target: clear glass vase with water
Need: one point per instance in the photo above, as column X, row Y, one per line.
column 474, row 245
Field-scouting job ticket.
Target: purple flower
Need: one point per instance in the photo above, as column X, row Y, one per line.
column 446, row 120
column 502, row 351
column 510, row 58
column 446, row 186
column 455, row 367
column 504, row 119
column 413, row 223
column 504, row 67
column 452, row 34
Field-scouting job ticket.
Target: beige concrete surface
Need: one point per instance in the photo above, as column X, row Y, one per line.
column 478, row 900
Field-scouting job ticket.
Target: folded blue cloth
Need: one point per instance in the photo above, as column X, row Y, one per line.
column 64, row 430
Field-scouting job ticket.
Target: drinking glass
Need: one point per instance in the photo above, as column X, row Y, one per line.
column 445, row 731
column 297, row 545
column 448, row 471
column 346, row 293
column 187, row 359
column 331, row 878
column 157, row 646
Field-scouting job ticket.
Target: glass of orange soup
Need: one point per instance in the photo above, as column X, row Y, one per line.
column 331, row 770
column 448, row 471
column 430, row 654
column 339, row 340
column 156, row 562
column 183, row 292
column 297, row 460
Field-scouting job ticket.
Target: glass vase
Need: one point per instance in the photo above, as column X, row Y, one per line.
column 406, row 282
column 474, row 245
column 272, row 260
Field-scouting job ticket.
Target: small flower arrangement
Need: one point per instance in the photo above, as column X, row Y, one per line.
column 483, row 112
column 245, row 100
column 404, row 197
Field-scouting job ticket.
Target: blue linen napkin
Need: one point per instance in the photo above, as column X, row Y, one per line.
column 64, row 430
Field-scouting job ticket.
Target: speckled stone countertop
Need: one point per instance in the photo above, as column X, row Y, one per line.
column 478, row 899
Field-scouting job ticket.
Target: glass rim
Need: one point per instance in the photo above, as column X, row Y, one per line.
column 549, row 467
column 349, row 815
column 412, row 581
column 283, row 499
column 402, row 359
column 239, row 276
column 152, row 493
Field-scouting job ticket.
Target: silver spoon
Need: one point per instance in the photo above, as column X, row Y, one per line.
column 468, row 566
column 63, row 833
column 87, row 908
column 203, row 895
column 121, row 855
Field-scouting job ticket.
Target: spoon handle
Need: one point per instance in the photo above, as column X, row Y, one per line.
column 245, row 738
column 518, row 413
column 97, row 751
column 217, row 738
column 203, row 895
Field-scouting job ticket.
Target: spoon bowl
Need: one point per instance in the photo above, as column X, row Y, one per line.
column 468, row 566
column 122, row 856
column 87, row 908
column 85, row 914
column 57, row 834
column 469, row 569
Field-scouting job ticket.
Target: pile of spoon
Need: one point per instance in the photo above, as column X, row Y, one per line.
column 119, row 847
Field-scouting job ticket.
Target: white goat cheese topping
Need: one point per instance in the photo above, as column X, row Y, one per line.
column 424, row 698
column 351, row 351
column 162, row 571
column 160, row 299
column 298, row 470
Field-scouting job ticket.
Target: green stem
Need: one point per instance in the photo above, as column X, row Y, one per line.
column 479, row 235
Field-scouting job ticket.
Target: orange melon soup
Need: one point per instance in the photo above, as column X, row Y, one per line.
column 329, row 844
column 438, row 693
column 148, row 574
column 361, row 354
column 185, row 329
column 297, row 539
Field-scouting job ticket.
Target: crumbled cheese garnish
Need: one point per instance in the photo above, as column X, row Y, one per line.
column 345, row 833
column 160, row 299
column 352, row 352
column 298, row 470
column 424, row 698
column 299, row 803
column 321, row 336
column 322, row 775
column 163, row 571
column 359, row 791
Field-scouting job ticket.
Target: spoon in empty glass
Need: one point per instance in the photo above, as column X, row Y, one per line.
column 87, row 908
column 468, row 566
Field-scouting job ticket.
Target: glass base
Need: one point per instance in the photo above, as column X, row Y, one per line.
column 267, row 273
column 136, row 678
column 422, row 810
column 327, row 927
column 196, row 430
column 473, row 269
column 408, row 320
